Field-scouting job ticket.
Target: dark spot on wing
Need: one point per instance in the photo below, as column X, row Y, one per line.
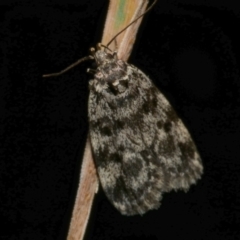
column 121, row 148
column 112, row 88
column 171, row 115
column 132, row 167
column 159, row 124
column 112, row 106
column 150, row 103
column 106, row 131
column 187, row 149
column 153, row 98
column 124, row 83
column 120, row 190
column 116, row 157
column 119, row 124
column 126, row 195
column 167, row 126
column 146, row 107
column 101, row 157
column 167, row 147
column 98, row 98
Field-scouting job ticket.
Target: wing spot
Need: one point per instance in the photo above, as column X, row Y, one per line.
column 115, row 157
column 106, row 131
column 171, row 115
column 167, row 126
column 187, row 149
column 159, row 124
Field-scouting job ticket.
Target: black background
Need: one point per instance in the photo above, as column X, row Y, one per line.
column 189, row 50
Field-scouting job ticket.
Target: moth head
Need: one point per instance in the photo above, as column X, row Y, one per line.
column 101, row 56
column 111, row 73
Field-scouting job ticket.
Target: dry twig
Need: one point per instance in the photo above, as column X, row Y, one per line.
column 120, row 14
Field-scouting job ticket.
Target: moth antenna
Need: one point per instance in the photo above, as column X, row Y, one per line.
column 68, row 68
column 98, row 47
column 105, row 47
column 131, row 23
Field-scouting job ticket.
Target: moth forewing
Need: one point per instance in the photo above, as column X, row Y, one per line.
column 140, row 146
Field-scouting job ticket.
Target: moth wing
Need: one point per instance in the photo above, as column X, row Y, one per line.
column 141, row 148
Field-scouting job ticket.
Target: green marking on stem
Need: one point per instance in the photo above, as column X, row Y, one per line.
column 120, row 14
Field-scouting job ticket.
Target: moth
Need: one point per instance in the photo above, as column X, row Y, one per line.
column 141, row 147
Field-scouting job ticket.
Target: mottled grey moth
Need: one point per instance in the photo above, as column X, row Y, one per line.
column 140, row 146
